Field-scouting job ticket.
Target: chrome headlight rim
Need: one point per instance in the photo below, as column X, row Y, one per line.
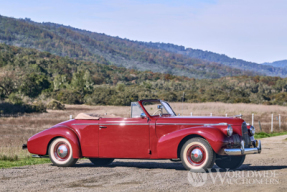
column 229, row 130
column 252, row 130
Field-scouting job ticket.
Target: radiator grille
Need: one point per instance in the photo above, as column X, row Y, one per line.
column 245, row 135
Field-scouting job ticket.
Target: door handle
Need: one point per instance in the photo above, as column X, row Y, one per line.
column 103, row 126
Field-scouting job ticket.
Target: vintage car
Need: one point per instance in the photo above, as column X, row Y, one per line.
column 153, row 131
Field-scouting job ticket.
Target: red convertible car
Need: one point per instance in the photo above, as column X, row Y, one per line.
column 153, row 131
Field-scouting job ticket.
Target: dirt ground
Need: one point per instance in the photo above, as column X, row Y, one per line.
column 264, row 172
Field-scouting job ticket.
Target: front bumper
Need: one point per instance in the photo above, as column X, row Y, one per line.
column 244, row 151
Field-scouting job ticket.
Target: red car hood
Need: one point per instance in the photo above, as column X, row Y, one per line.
column 206, row 119
column 194, row 121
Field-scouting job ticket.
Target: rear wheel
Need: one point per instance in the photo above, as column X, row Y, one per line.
column 230, row 162
column 101, row 161
column 197, row 155
column 61, row 153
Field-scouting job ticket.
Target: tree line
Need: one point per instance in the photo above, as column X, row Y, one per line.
column 29, row 75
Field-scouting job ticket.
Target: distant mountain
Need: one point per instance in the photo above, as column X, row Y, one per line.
column 84, row 45
column 281, row 64
column 267, row 69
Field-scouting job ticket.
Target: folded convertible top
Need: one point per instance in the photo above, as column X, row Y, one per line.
column 94, row 116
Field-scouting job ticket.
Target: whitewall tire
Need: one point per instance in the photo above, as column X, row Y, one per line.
column 61, row 153
column 197, row 155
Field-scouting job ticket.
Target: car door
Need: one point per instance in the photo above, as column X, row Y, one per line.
column 124, row 138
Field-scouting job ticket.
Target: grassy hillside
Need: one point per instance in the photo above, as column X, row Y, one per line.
column 30, row 75
column 270, row 69
column 100, row 48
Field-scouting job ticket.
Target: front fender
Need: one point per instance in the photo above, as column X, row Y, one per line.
column 168, row 144
column 38, row 144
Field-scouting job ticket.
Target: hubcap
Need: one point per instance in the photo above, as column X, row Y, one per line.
column 62, row 151
column 196, row 155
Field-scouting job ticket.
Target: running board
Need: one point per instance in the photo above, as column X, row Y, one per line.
column 40, row 156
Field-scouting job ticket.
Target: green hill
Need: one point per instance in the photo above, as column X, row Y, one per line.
column 30, row 75
column 100, row 48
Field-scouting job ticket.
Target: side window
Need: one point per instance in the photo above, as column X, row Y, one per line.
column 136, row 110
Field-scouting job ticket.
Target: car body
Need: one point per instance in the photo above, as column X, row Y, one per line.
column 153, row 131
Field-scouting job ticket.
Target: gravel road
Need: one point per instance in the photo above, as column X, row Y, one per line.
column 264, row 172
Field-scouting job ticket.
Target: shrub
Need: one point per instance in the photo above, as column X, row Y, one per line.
column 10, row 108
column 15, row 99
column 38, row 107
column 68, row 97
column 55, row 105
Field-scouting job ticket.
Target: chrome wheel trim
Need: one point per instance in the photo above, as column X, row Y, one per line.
column 62, row 151
column 196, row 155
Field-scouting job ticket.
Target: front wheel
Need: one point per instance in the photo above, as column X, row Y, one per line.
column 61, row 153
column 101, row 161
column 197, row 155
column 230, row 162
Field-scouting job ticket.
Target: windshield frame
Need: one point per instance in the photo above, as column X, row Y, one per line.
column 165, row 105
column 168, row 108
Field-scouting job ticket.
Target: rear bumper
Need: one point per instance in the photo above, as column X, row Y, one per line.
column 244, row 151
column 24, row 146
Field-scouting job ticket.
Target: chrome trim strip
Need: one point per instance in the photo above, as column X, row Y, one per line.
column 218, row 124
column 123, row 123
column 111, row 124
column 179, row 124
column 126, row 124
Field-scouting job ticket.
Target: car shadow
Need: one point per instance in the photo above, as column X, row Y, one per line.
column 140, row 165
column 179, row 166
column 249, row 167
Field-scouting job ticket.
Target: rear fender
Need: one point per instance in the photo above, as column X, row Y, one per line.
column 167, row 146
column 39, row 143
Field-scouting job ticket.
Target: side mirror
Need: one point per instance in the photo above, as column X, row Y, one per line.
column 142, row 115
column 159, row 107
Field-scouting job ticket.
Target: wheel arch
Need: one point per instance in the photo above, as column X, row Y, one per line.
column 47, row 150
column 169, row 145
column 182, row 142
column 39, row 143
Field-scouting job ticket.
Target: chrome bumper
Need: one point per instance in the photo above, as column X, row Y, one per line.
column 244, row 151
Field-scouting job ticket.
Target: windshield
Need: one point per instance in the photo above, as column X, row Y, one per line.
column 168, row 108
column 155, row 108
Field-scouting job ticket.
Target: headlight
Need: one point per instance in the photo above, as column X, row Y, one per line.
column 252, row 130
column 229, row 130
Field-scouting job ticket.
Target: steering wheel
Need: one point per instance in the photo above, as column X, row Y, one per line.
column 159, row 110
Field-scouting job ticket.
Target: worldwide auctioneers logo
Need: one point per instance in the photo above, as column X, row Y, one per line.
column 199, row 178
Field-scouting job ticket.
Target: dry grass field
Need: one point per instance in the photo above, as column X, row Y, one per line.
column 15, row 131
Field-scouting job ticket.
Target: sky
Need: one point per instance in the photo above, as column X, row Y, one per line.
column 252, row 30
